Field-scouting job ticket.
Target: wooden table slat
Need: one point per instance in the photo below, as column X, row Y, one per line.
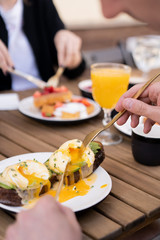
column 12, row 149
column 135, row 197
column 35, row 129
column 85, row 237
column 25, row 140
column 5, row 220
column 97, row 226
column 120, row 212
column 133, row 177
column 124, row 155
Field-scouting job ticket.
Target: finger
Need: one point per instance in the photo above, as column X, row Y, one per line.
column 10, row 233
column 145, row 100
column 47, row 204
column 148, row 125
column 70, row 54
column 3, row 64
column 61, row 52
column 134, row 120
column 130, row 93
column 5, row 52
column 142, row 109
column 71, row 216
column 123, row 119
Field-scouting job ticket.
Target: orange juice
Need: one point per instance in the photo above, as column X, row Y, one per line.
column 108, row 84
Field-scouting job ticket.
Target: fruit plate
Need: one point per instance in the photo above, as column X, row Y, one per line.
column 27, row 108
column 102, row 184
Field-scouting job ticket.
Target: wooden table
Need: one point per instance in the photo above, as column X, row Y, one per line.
column 134, row 201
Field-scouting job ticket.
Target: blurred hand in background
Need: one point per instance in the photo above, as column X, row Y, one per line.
column 68, row 47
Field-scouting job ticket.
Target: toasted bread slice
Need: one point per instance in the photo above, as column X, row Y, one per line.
column 52, row 98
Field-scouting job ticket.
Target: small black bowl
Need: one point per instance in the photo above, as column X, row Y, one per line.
column 85, row 87
column 146, row 147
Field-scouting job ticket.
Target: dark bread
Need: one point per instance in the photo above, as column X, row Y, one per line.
column 10, row 197
column 14, row 197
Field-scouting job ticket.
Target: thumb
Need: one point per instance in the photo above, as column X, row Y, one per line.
column 142, row 109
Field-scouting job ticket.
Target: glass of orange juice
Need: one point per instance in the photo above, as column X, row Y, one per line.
column 109, row 82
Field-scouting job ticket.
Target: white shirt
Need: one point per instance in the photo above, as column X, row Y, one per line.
column 19, row 47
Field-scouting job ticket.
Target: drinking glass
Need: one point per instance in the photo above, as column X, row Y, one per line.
column 109, row 82
column 146, row 54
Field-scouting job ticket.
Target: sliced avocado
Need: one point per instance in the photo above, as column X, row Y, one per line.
column 76, row 169
column 6, row 186
column 95, row 147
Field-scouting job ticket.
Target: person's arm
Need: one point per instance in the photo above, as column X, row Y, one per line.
column 48, row 220
column 148, row 105
column 68, row 45
column 143, row 10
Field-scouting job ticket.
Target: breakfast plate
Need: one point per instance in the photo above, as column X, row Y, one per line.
column 27, row 107
column 101, row 186
column 125, row 128
column 85, row 87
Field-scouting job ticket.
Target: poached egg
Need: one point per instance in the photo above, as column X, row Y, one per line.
column 69, row 154
column 29, row 174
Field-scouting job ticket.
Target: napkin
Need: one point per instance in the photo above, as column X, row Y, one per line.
column 9, row 101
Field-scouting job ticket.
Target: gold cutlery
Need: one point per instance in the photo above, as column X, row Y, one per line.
column 39, row 83
column 92, row 135
column 52, row 81
column 60, row 184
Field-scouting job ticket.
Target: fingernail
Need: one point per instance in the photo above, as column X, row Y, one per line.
column 128, row 103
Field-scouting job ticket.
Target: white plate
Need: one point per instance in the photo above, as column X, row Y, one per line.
column 125, row 128
column 27, row 107
column 79, row 203
column 84, row 84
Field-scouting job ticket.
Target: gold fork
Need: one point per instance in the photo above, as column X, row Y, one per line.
column 54, row 80
column 92, row 135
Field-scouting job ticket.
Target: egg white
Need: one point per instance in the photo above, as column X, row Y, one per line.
column 11, row 176
column 62, row 156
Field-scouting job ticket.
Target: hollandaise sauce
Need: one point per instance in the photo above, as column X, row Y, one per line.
column 81, row 188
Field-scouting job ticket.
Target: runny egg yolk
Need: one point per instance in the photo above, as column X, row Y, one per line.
column 81, row 188
column 70, row 154
column 35, row 182
column 32, row 179
column 69, row 192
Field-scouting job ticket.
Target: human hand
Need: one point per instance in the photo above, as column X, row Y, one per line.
column 48, row 220
column 68, row 47
column 147, row 105
column 5, row 59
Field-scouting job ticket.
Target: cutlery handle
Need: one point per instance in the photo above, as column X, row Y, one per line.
column 36, row 81
column 59, row 72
